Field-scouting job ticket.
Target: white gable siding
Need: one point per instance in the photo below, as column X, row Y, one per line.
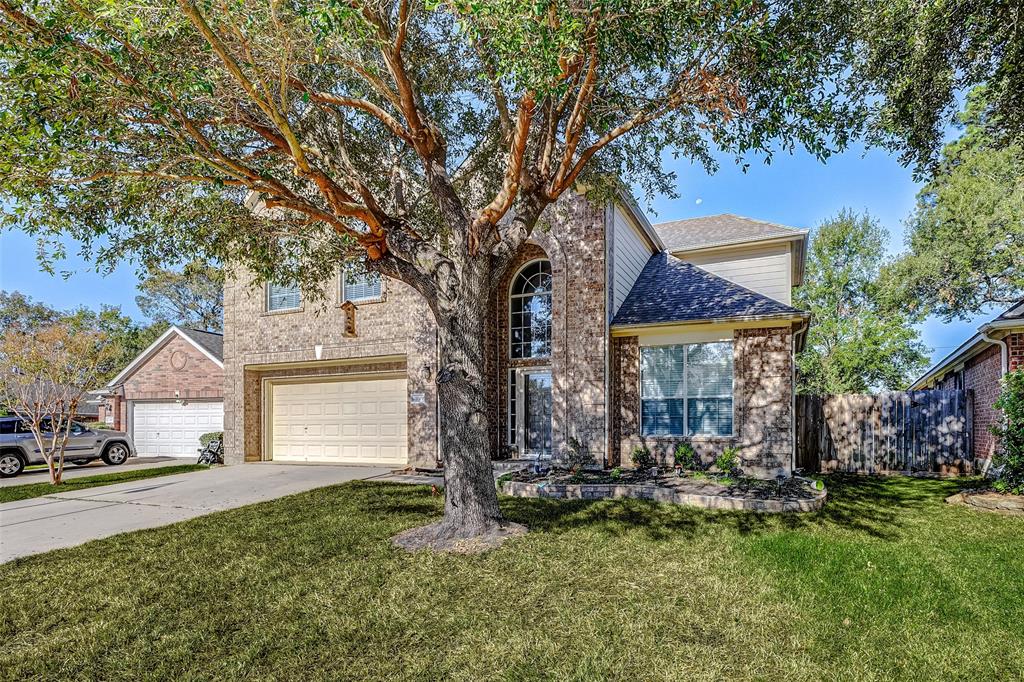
column 630, row 253
column 766, row 269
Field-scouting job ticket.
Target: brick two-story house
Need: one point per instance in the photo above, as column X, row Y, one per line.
column 608, row 330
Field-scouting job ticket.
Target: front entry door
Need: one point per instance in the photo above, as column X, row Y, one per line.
column 535, row 398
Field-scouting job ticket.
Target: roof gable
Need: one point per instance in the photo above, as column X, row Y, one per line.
column 720, row 230
column 209, row 344
column 671, row 290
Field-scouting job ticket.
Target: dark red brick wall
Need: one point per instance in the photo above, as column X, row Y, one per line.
column 981, row 375
column 1015, row 345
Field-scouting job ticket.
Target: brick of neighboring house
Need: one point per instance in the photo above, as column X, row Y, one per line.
column 1015, row 347
column 762, row 405
column 981, row 377
column 178, row 371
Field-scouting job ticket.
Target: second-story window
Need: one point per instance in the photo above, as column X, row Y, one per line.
column 360, row 287
column 530, row 311
column 283, row 297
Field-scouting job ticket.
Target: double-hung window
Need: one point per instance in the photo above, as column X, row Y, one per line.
column 686, row 389
column 283, row 297
column 360, row 287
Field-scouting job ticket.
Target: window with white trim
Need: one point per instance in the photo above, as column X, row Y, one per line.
column 530, row 312
column 283, row 297
column 360, row 287
column 686, row 390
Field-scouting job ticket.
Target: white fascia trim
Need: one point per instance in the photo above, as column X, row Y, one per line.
column 966, row 350
column 624, row 329
column 800, row 235
column 155, row 346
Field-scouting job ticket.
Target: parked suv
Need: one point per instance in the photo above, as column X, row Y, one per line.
column 18, row 448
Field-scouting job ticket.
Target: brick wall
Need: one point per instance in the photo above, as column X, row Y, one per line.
column 762, row 403
column 578, row 339
column 982, row 375
column 178, row 366
column 1015, row 346
column 400, row 326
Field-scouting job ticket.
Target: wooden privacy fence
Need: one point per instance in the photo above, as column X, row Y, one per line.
column 910, row 432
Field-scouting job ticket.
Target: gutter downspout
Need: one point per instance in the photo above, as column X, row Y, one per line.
column 792, row 422
column 1004, row 351
column 1004, row 367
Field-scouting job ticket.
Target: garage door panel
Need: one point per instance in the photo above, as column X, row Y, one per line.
column 170, row 429
column 348, row 422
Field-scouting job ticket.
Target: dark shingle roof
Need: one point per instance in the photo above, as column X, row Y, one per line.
column 670, row 290
column 211, row 341
column 1014, row 312
column 719, row 230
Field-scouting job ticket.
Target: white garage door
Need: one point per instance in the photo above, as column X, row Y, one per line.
column 171, row 430
column 349, row 422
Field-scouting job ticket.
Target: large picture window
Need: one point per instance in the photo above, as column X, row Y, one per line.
column 530, row 312
column 686, row 390
column 283, row 297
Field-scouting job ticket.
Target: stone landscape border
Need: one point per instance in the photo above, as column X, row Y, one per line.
column 600, row 491
column 990, row 501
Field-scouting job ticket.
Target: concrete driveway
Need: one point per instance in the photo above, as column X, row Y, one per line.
column 68, row 519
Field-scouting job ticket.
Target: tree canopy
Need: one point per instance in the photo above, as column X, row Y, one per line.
column 192, row 296
column 387, row 129
column 857, row 342
column 966, row 236
column 921, row 55
column 21, row 315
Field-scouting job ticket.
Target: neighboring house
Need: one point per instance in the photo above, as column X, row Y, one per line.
column 608, row 330
column 170, row 394
column 978, row 365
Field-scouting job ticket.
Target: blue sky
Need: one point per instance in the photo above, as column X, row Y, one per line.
column 794, row 190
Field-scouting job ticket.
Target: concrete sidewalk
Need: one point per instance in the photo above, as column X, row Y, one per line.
column 94, row 469
column 68, row 519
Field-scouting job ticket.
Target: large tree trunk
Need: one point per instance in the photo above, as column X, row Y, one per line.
column 472, row 520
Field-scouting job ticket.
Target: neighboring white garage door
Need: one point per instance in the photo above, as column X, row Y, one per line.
column 349, row 422
column 171, row 430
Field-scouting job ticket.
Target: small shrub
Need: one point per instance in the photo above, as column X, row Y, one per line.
column 686, row 456
column 97, row 425
column 208, row 438
column 1010, row 456
column 642, row 458
column 728, row 461
column 615, row 473
column 577, row 455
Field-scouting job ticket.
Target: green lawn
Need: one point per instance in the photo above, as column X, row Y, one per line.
column 30, row 490
column 888, row 582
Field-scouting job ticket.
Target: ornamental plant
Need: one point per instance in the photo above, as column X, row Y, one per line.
column 1010, row 455
column 686, row 457
column 642, row 458
column 728, row 461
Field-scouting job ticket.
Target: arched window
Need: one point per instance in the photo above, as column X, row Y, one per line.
column 530, row 308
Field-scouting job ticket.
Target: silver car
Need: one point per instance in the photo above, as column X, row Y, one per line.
column 18, row 448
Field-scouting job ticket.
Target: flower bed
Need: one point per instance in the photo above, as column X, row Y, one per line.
column 698, row 490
